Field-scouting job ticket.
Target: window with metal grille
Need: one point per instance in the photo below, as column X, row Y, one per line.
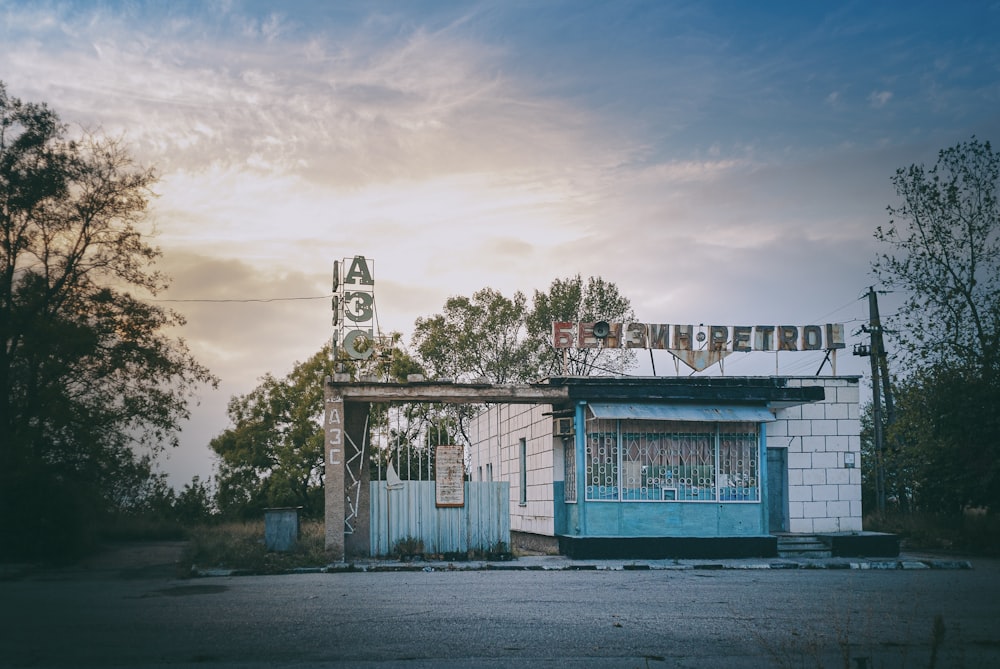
column 672, row 461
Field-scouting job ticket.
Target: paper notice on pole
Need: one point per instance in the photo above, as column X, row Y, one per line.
column 449, row 469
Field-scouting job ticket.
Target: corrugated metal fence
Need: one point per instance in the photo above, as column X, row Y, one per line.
column 409, row 511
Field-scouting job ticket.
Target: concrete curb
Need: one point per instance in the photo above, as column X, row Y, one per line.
column 563, row 564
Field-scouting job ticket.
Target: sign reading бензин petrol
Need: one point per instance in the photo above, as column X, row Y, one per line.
column 702, row 345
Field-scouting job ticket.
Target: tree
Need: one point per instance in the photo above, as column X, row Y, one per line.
column 478, row 338
column 501, row 340
column 273, row 454
column 944, row 259
column 87, row 373
column 570, row 300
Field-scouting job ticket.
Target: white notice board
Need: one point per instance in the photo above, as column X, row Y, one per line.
column 449, row 470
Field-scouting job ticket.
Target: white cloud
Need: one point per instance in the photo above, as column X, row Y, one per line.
column 879, row 99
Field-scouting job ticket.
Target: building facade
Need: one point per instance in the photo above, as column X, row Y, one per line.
column 671, row 466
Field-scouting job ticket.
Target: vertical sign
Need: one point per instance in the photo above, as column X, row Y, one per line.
column 354, row 306
column 449, row 475
column 333, row 482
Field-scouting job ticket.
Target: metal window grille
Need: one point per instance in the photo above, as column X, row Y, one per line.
column 668, row 461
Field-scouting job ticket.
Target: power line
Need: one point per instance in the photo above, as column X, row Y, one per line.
column 249, row 299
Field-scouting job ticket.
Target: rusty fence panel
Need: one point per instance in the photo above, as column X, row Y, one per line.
column 406, row 514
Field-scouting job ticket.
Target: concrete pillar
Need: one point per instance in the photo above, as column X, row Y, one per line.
column 357, row 450
column 333, row 481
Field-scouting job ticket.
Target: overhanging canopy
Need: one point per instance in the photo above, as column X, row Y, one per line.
column 683, row 412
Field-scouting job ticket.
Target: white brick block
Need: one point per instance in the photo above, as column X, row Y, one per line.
column 848, row 427
column 852, row 524
column 800, row 525
column 825, row 427
column 795, row 476
column 825, row 460
column 791, row 413
column 838, row 509
column 800, row 460
column 825, row 493
column 813, row 444
column 838, row 476
column 778, row 428
column 814, row 509
column 838, row 443
column 813, row 477
column 826, row 525
column 856, row 511
column 799, row 428
column 813, row 411
column 853, row 411
column 800, row 493
column 836, row 411
column 795, row 510
column 850, row 492
column 856, row 474
column 849, row 394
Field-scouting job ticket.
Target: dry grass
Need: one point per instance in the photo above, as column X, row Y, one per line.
column 241, row 546
column 973, row 532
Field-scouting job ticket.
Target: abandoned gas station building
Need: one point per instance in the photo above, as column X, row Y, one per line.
column 677, row 466
column 601, row 466
column 643, row 467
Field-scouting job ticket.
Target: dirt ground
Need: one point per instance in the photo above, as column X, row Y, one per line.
column 137, row 557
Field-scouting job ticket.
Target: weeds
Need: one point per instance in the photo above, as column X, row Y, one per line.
column 970, row 532
column 241, row 546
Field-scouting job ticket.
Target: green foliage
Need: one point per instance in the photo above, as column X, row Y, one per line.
column 944, row 447
column 973, row 531
column 241, row 546
column 273, row 454
column 502, row 340
column 945, row 260
column 408, row 547
column 571, row 300
column 478, row 338
column 942, row 453
column 87, row 374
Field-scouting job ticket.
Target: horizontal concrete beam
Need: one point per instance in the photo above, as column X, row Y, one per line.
column 447, row 393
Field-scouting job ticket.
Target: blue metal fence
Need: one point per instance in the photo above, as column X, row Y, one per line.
column 408, row 511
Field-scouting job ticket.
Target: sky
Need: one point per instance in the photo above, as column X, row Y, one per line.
column 720, row 162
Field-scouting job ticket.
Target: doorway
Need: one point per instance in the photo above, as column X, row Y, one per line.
column 777, row 489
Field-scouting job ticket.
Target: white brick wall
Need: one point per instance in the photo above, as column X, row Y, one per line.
column 514, row 422
column 823, row 495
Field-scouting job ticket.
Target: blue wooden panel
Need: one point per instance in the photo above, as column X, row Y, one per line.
column 673, row 519
column 409, row 511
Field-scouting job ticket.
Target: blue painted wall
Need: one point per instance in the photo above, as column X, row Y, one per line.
column 672, row 519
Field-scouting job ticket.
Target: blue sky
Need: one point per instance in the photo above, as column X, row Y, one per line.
column 720, row 162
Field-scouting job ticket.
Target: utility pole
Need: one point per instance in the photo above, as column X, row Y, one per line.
column 880, row 368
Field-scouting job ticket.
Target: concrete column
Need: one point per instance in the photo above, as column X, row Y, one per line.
column 357, row 450
column 333, row 482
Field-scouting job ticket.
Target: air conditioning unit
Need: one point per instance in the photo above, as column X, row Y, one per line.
column 562, row 427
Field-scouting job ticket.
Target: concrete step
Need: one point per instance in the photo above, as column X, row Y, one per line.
column 805, row 546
